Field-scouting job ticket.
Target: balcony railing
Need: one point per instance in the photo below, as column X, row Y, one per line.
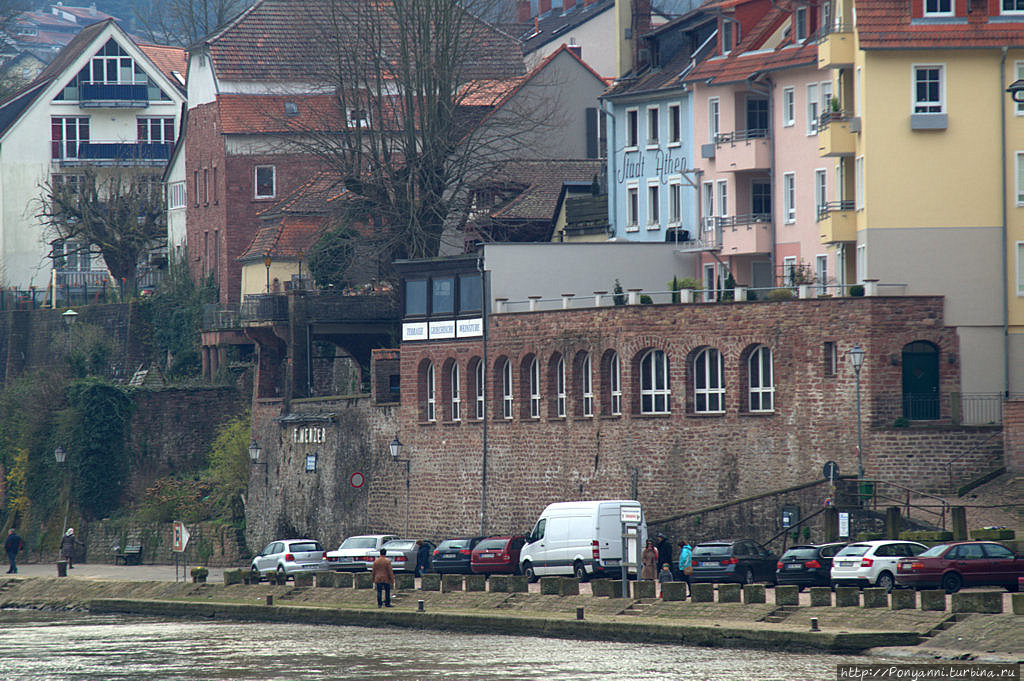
column 709, row 238
column 742, row 150
column 218, row 317
column 832, row 206
column 113, row 95
column 321, row 307
column 957, row 408
column 264, row 308
column 94, row 153
column 741, row 135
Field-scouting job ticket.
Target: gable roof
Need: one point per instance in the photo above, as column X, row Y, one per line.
column 887, row 24
column 542, row 182
column 556, row 23
column 172, row 62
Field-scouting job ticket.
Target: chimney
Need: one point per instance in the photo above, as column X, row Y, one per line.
column 567, row 5
column 523, row 11
column 641, row 17
column 543, row 7
column 575, row 49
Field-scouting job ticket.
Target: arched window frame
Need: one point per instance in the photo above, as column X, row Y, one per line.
column 479, row 389
column 431, row 403
column 655, row 389
column 586, row 386
column 708, row 382
column 507, row 390
column 533, row 376
column 615, row 384
column 456, row 394
column 557, row 377
column 761, row 380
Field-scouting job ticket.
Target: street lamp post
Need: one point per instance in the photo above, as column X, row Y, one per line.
column 267, row 261
column 69, row 321
column 60, row 456
column 396, row 449
column 254, row 457
column 857, row 360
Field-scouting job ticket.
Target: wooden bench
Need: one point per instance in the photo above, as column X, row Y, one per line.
column 131, row 555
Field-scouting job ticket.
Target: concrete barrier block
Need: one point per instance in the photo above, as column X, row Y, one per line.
column 645, row 588
column 344, row 580
column 600, row 587
column 903, row 599
column 405, row 582
column 821, row 597
column 430, row 582
column 787, row 594
column 977, row 601
column 754, row 593
column 933, row 599
column 476, row 583
column 569, row 586
column 499, row 583
column 305, row 579
column 728, row 593
column 550, row 586
column 518, row 584
column 326, row 580
column 876, row 597
column 703, row 592
column 451, row 583
column 673, row 591
column 847, row 597
column 1017, row 601
column 615, row 588
column 364, row 580
column 234, row 576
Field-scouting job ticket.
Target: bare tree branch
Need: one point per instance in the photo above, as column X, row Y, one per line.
column 185, row 22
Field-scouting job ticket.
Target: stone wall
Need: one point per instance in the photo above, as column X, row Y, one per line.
column 1013, row 435
column 210, row 544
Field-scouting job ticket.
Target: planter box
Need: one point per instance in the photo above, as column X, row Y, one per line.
column 600, row 587
column 234, row 576
column 876, row 597
column 728, row 593
column 847, row 597
column 344, row 580
column 405, row 582
column 364, row 580
column 451, row 583
column 305, row 579
column 978, row 601
column 903, row 599
column 933, row 599
column 703, row 593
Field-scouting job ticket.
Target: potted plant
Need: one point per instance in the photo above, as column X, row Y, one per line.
column 199, row 575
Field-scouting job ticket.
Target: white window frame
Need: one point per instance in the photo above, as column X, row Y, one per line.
column 653, row 205
column 1020, row 269
column 456, row 405
column 655, row 389
column 1018, row 70
column 507, row 390
column 708, row 273
column 801, row 21
column 675, row 201
column 1018, row 9
column 928, row 106
column 632, row 129
column 176, row 197
column 675, row 125
column 533, row 376
column 560, row 397
column 788, row 270
column 256, row 182
column 714, row 119
column 820, row 190
column 431, row 393
column 821, row 272
column 788, row 107
column 789, row 197
column 948, row 12
column 862, row 263
column 653, row 126
column 722, row 197
column 761, row 389
column 1019, row 183
column 857, row 92
column 813, row 108
column 708, row 382
column 615, row 385
column 479, row 389
column 825, row 103
column 586, row 387
column 632, row 206
column 858, row 183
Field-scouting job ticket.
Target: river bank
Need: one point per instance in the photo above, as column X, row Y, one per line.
column 874, row 631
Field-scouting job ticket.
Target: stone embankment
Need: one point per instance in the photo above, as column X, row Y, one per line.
column 895, row 628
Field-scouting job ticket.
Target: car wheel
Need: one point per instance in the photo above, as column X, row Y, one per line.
column 255, row 578
column 952, row 582
column 531, row 576
column 282, row 576
column 748, row 576
column 885, row 581
column 579, row 571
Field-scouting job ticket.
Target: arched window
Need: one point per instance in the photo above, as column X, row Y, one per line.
column 560, row 387
column 761, row 379
column 456, row 404
column 478, row 387
column 654, row 386
column 506, row 390
column 586, row 386
column 533, row 375
column 708, row 388
column 428, row 379
column 614, row 384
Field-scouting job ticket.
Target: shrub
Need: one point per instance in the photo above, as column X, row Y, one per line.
column 779, row 294
column 857, row 291
column 646, row 299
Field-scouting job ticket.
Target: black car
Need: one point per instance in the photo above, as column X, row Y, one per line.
column 453, row 555
column 807, row 564
column 733, row 560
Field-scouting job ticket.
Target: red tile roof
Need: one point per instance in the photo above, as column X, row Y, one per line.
column 317, row 196
column 887, row 24
column 542, row 182
column 168, row 60
column 254, row 114
column 290, row 237
column 738, row 67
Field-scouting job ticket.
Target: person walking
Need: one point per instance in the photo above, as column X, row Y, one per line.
column 649, row 561
column 383, row 578
column 664, row 547
column 12, row 546
column 67, row 547
column 422, row 558
column 685, row 563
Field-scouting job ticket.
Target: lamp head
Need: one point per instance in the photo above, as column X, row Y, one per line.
column 59, row 454
column 1016, row 90
column 857, row 357
column 395, row 447
column 69, row 316
column 254, row 451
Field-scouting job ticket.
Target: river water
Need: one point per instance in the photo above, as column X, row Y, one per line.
column 70, row 647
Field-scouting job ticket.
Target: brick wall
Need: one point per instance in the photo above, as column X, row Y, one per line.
column 1013, row 435
column 211, row 544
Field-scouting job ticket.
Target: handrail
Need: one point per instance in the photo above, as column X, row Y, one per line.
column 949, row 464
column 833, row 206
column 943, row 504
column 741, row 135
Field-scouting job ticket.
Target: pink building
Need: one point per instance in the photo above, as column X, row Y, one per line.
column 758, row 103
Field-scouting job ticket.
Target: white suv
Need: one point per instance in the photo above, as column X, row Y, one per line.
column 872, row 563
column 357, row 553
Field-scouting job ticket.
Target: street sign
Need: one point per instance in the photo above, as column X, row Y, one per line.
column 629, row 515
column 830, row 470
column 844, row 524
column 180, row 537
column 356, row 480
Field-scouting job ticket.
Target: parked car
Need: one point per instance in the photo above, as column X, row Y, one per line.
column 357, row 553
column 402, row 554
column 497, row 555
column 289, row 557
column 807, row 565
column 954, row 565
column 872, row 563
column 453, row 555
column 733, row 560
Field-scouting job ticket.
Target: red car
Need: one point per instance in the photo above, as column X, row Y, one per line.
column 497, row 555
column 953, row 565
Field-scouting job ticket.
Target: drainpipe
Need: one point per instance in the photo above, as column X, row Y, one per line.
column 1002, row 161
column 612, row 215
column 769, row 93
column 486, row 306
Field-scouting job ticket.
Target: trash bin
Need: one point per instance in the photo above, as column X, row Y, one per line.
column 62, row 568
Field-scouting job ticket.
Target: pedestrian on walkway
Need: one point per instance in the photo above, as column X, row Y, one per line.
column 649, row 561
column 383, row 578
column 67, row 547
column 12, row 546
column 422, row 558
column 664, row 547
column 685, row 562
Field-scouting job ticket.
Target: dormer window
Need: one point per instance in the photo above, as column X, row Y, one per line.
column 938, row 8
column 800, row 24
column 730, row 35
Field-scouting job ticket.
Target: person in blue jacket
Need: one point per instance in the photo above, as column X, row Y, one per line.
column 685, row 562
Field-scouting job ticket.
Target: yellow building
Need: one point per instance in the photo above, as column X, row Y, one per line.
column 929, row 153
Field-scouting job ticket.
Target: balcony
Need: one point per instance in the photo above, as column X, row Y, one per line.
column 113, row 96
column 709, row 238
column 836, row 47
column 745, row 234
column 837, row 134
column 837, row 222
column 742, row 150
column 97, row 153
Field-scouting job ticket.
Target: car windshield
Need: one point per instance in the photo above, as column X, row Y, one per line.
column 449, row 544
column 358, row 543
column 854, row 550
column 400, row 545
column 712, row 550
column 934, row 551
column 491, row 544
column 801, row 553
column 299, row 547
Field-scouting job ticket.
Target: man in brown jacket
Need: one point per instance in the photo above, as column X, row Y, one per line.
column 383, row 578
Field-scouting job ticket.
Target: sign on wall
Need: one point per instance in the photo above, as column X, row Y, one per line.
column 309, row 435
column 443, row 330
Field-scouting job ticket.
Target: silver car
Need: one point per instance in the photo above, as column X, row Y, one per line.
column 357, row 553
column 289, row 557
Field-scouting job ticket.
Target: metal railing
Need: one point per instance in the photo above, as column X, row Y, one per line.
column 957, row 408
column 95, row 152
column 825, row 119
column 831, row 27
column 135, row 93
column 217, row 317
column 734, row 221
column 264, row 308
column 875, row 491
column 828, row 207
column 741, row 135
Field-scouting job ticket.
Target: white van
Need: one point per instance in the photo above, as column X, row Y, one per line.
column 579, row 538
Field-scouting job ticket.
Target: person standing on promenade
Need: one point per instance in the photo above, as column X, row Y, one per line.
column 383, row 578
column 685, row 562
column 649, row 561
column 12, row 546
column 664, row 547
column 422, row 558
column 67, row 546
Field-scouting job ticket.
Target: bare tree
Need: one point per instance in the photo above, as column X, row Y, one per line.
column 184, row 22
column 118, row 211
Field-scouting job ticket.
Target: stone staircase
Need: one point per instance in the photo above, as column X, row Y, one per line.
column 945, row 624
column 779, row 614
column 635, row 608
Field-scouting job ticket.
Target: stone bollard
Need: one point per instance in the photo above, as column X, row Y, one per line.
column 430, row 582
column 304, row 579
column 821, row 597
column 476, row 583
column 978, row 601
column 62, row 568
column 754, row 593
column 615, row 586
column 600, row 587
column 933, row 599
column 1017, row 601
column 499, row 583
column 518, row 584
column 703, row 592
column 903, row 599
column 644, row 589
column 344, row 580
column 787, row 594
column 728, row 593
column 234, row 577
column 364, row 580
column 847, row 597
column 324, row 580
column 673, row 591
column 270, row 599
column 405, row 582
column 876, row 597
column 569, row 586
column 550, row 586
column 451, row 583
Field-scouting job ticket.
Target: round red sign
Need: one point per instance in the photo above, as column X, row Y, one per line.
column 356, row 480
